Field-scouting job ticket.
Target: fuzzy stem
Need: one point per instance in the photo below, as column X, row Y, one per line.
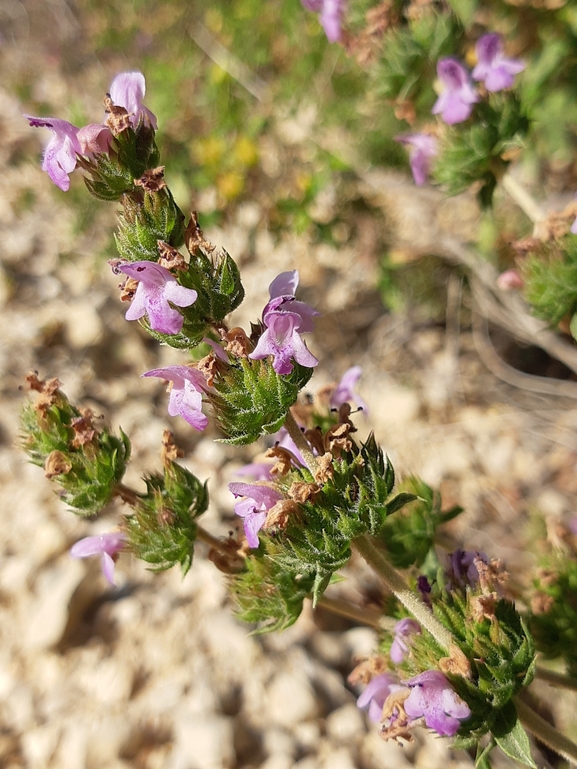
column 370, row 617
column 525, row 202
column 546, row 733
column 300, row 442
column 391, row 577
column 556, row 679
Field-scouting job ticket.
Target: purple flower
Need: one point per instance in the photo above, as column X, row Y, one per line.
column 94, row 139
column 493, row 68
column 403, row 630
column 60, row 153
column 433, row 698
column 574, row 227
column 105, row 545
column 282, row 299
column 185, row 400
column 331, row 14
column 377, row 691
column 456, row 101
column 127, row 90
column 422, row 150
column 260, row 471
column 510, row 280
column 253, row 509
column 282, row 340
column 461, row 570
column 345, row 389
column 156, row 288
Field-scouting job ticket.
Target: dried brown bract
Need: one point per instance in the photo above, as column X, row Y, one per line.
column 56, row 463
column 483, row 607
column 337, row 439
column 194, row 238
column 325, row 470
column 152, row 180
column 286, row 460
column 170, row 257
column 84, row 430
column 209, row 367
column 456, row 663
column 118, row 119
column 128, row 289
column 315, row 437
column 238, row 343
column 302, row 492
column 367, row 669
column 280, row 513
column 169, row 451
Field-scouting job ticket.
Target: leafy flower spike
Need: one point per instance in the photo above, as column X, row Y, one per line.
column 127, row 90
column 105, row 545
column 156, row 288
column 493, row 68
column 331, row 14
column 60, row 153
column 455, row 103
column 185, row 400
column 433, row 698
column 422, row 150
column 253, row 509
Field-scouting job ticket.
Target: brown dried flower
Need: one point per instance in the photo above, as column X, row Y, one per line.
column 56, row 463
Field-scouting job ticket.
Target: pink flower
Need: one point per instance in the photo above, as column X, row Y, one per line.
column 282, row 293
column 60, row 153
column 104, row 545
column 377, row 691
column 185, row 400
column 456, row 101
column 253, row 508
column 282, row 340
column 403, row 630
column 422, row 150
column 493, row 67
column 127, row 90
column 433, row 698
column 510, row 280
column 345, row 389
column 156, row 288
column 331, row 14
column 94, row 139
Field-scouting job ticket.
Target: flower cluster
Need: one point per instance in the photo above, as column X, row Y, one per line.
column 458, row 96
column 69, row 142
column 400, row 705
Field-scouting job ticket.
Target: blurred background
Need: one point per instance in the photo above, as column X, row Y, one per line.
column 268, row 132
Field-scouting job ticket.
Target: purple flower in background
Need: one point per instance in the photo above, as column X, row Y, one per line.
column 104, row 545
column 185, row 400
column 345, row 389
column 574, row 227
column 331, row 13
column 60, row 153
column 282, row 340
column 461, row 570
column 422, row 150
column 403, row 630
column 432, row 698
column 253, row 509
column 260, row 471
column 156, row 288
column 456, row 101
column 493, row 68
column 510, row 280
column 127, row 90
column 282, row 299
column 377, row 691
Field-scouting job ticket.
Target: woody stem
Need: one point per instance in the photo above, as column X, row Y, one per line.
column 546, row 733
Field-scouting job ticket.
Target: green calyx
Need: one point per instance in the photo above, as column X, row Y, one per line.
column 162, row 529
column 86, row 460
column 250, row 399
column 145, row 219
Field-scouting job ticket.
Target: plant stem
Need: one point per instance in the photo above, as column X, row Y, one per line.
column 556, row 679
column 546, row 733
column 391, row 577
column 221, row 545
column 525, row 202
column 126, row 494
column 370, row 617
column 300, row 442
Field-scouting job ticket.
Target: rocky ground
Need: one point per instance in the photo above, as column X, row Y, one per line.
column 157, row 672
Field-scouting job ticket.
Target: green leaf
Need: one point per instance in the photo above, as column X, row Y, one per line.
column 515, row 744
column 482, row 758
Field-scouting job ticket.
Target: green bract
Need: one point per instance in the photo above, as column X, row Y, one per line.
column 162, row 529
